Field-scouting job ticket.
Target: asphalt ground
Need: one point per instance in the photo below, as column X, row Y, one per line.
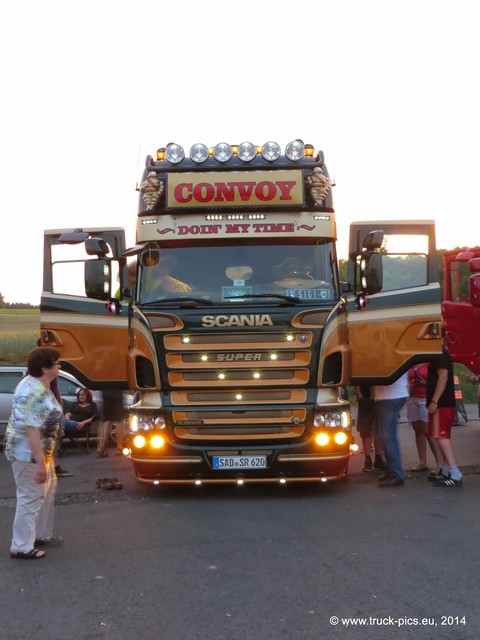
column 252, row 562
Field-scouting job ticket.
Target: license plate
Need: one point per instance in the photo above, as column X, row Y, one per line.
column 226, row 463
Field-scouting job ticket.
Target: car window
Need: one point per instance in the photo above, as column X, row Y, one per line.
column 9, row 381
column 67, row 387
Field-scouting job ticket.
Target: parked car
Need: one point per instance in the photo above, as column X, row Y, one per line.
column 69, row 386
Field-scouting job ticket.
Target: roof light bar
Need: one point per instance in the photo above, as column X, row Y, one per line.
column 246, row 152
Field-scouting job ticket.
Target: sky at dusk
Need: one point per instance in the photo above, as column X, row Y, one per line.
column 388, row 91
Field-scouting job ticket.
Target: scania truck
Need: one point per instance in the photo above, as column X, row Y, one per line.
column 228, row 317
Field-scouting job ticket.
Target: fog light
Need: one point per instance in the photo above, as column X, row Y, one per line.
column 322, row 439
column 199, row 153
column 246, row 151
column 340, row 438
column 126, row 451
column 354, row 447
column 157, row 442
column 174, row 153
column 139, row 442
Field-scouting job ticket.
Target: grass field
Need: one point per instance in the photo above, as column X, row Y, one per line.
column 19, row 332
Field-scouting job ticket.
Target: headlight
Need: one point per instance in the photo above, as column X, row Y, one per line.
column 199, row 153
column 146, row 422
column 246, row 151
column 139, row 442
column 271, row 151
column 174, row 153
column 336, row 419
column 222, row 152
column 295, row 150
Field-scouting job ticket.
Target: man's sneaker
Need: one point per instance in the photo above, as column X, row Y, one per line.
column 379, row 463
column 367, row 465
column 436, row 476
column 448, row 482
column 62, row 473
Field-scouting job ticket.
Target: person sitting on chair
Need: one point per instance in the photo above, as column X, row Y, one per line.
column 81, row 415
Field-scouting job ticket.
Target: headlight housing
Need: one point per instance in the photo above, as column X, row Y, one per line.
column 334, row 419
column 146, row 422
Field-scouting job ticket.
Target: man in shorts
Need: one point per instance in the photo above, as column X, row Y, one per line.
column 441, row 414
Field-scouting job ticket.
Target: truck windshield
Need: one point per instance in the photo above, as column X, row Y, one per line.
column 234, row 273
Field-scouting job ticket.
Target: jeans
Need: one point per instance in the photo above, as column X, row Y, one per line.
column 387, row 415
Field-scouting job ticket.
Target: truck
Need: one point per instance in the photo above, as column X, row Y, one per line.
column 461, row 305
column 228, row 317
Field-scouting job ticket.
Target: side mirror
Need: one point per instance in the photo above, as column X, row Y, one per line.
column 373, row 240
column 371, row 273
column 96, row 247
column 98, row 275
column 474, row 286
column 474, row 264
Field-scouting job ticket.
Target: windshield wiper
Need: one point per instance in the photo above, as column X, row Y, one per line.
column 201, row 301
column 278, row 296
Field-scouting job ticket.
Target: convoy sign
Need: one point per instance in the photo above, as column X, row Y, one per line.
column 235, row 189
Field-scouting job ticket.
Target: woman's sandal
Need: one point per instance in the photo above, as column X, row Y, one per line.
column 116, row 483
column 34, row 554
column 104, row 483
column 54, row 541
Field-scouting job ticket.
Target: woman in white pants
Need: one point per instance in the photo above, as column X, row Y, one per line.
column 29, row 445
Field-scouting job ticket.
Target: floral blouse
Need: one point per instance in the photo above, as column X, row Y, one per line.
column 33, row 406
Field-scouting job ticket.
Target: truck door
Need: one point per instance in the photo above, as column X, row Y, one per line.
column 398, row 323
column 91, row 333
column 461, row 306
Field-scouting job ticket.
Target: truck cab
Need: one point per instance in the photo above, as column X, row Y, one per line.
column 235, row 330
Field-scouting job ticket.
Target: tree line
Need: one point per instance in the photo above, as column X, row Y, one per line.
column 15, row 305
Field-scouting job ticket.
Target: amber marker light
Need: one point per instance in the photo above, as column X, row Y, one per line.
column 139, row 442
column 340, row 438
column 157, row 442
column 161, row 154
column 322, row 439
column 309, row 151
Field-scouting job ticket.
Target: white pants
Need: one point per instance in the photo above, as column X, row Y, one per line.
column 35, row 502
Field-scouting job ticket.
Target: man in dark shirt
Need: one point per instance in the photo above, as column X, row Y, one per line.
column 441, row 414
